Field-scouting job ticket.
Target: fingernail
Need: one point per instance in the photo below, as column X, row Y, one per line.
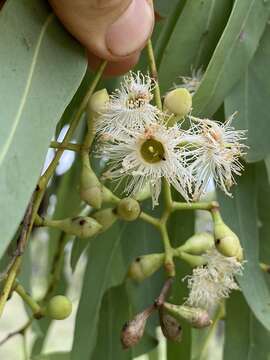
column 131, row 30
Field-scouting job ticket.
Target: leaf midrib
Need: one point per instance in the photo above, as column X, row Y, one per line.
column 26, row 90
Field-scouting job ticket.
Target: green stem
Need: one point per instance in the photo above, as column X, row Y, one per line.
column 51, row 168
column 69, row 146
column 154, row 73
column 169, row 251
column 57, row 266
column 35, row 307
column 150, row 219
column 195, row 206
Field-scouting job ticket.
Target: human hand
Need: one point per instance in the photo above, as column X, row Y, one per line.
column 114, row 30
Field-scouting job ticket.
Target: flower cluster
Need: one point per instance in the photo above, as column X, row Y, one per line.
column 213, row 282
column 143, row 149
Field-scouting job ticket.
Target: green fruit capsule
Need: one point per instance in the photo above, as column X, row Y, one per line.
column 178, row 102
column 144, row 266
column 106, row 218
column 198, row 244
column 90, row 187
column 59, row 307
column 226, row 241
column 192, row 260
column 196, row 317
column 81, row 226
column 128, row 209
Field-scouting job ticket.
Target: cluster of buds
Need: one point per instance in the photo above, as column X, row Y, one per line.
column 170, row 317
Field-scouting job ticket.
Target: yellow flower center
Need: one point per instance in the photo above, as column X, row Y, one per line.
column 152, row 151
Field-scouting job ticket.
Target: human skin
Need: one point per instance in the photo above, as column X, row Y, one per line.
column 114, row 30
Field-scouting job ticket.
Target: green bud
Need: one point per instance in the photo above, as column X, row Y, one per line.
column 226, row 241
column 90, row 187
column 59, row 307
column 192, row 260
column 106, row 218
column 198, row 244
column 170, row 327
column 196, row 317
column 178, row 102
column 133, row 330
column 98, row 100
column 144, row 266
column 81, row 226
column 128, row 209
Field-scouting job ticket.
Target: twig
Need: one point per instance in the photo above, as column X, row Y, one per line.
column 20, row 331
column 164, row 292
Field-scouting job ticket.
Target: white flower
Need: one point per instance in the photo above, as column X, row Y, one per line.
column 215, row 155
column 213, row 282
column 146, row 155
column 191, row 83
column 129, row 106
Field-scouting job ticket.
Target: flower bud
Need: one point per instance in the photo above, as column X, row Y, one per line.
column 128, row 209
column 178, row 102
column 133, row 330
column 226, row 241
column 170, row 327
column 192, row 260
column 90, row 187
column 98, row 101
column 59, row 307
column 106, row 218
column 197, row 317
column 144, row 266
column 81, row 226
column 198, row 244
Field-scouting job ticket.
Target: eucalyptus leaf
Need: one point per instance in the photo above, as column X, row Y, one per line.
column 41, row 68
column 53, row 356
column 181, row 227
column 232, row 55
column 192, row 42
column 250, row 98
column 104, row 269
column 245, row 337
column 240, row 213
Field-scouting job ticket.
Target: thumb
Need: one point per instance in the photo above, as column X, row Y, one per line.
column 110, row 29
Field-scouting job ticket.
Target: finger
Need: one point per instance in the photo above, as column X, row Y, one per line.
column 110, row 29
column 114, row 68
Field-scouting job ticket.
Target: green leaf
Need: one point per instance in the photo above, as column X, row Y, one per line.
column 245, row 337
column 250, row 97
column 240, row 213
column 232, row 54
column 104, row 269
column 41, row 68
column 181, row 227
column 263, row 200
column 192, row 42
column 115, row 311
column 53, row 356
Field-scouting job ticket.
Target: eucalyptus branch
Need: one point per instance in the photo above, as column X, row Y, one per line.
column 34, row 306
column 56, row 267
column 20, row 331
column 69, row 146
column 154, row 73
column 195, row 206
column 40, row 191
